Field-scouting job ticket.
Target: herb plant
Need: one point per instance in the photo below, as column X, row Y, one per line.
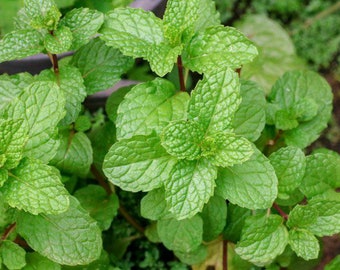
column 220, row 165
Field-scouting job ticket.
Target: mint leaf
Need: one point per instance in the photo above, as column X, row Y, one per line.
column 138, row 164
column 59, row 41
column 101, row 66
column 189, row 187
column 215, row 100
column 218, row 46
column 214, row 216
column 252, row 184
column 263, row 239
column 150, row 107
column 181, row 235
column 84, row 24
column 328, row 220
column 138, row 33
column 50, row 234
column 74, row 155
column 334, row 264
column 227, row 149
column 304, row 243
column 41, row 105
column 196, row 256
column 322, row 174
column 13, row 139
column 153, row 205
column 289, row 164
column 102, row 207
column 288, row 96
column 182, row 139
column 36, row 188
column 13, row 256
column 3, row 176
column 72, row 86
column 43, row 13
column 37, row 262
column 302, row 216
column 19, row 44
column 250, row 117
column 114, row 100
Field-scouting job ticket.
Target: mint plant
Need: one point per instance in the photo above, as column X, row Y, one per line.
column 220, row 164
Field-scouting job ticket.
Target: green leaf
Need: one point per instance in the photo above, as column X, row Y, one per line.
column 153, row 205
column 72, row 86
column 302, row 216
column 138, row 164
column 250, row 118
column 328, row 220
column 333, row 264
column 59, row 41
column 74, row 155
column 102, row 207
column 218, row 46
column 263, row 239
column 3, row 176
column 252, row 184
column 138, row 33
column 288, row 95
column 13, row 139
column 181, row 235
column 193, row 257
column 37, row 262
column 189, row 187
column 70, row 238
column 19, row 44
column 322, row 174
column 215, row 100
column 214, row 216
column 114, row 100
column 227, row 149
column 304, row 243
column 101, row 66
column 183, row 18
column 13, row 256
column 289, row 164
column 182, row 139
column 41, row 105
column 150, row 107
column 84, row 24
column 64, row 3
column 36, row 188
column 42, row 13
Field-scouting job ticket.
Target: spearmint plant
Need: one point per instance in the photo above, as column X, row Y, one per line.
column 220, row 164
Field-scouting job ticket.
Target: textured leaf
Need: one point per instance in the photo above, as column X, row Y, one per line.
column 42, row 13
column 41, row 105
column 215, row 100
column 74, row 155
column 189, row 187
column 218, row 46
column 181, row 235
column 138, row 33
column 101, row 66
column 13, row 139
column 288, row 93
column 114, row 100
column 72, row 86
column 138, row 164
column 334, row 264
column 302, row 216
column 59, row 41
column 84, row 24
column 289, row 164
column 19, row 44
column 182, row 139
column 227, row 149
column 150, row 107
column 250, row 118
column 153, row 205
column 70, row 238
column 193, row 257
column 263, row 239
column 322, row 174
column 214, row 216
column 37, row 262
column 252, row 184
column 328, row 220
column 102, row 207
column 13, row 256
column 304, row 243
column 36, row 188
column 3, row 176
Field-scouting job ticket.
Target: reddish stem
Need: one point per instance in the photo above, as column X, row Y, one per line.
column 8, row 231
column 180, row 74
column 281, row 212
column 225, row 255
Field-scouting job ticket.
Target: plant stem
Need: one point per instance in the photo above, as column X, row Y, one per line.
column 238, row 70
column 8, row 231
column 54, row 60
column 225, row 255
column 334, row 8
column 281, row 212
column 101, row 179
column 130, row 219
column 180, row 74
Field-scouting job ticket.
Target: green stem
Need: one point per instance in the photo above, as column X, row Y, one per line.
column 180, row 74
